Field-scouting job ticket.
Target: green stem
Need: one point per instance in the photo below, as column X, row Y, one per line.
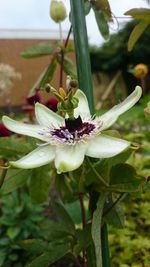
column 97, row 173
column 82, row 50
column 105, row 247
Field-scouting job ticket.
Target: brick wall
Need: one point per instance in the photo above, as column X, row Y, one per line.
column 30, row 69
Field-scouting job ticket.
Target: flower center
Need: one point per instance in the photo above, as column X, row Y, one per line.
column 74, row 131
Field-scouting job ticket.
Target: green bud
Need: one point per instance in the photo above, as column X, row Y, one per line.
column 73, row 83
column 57, row 11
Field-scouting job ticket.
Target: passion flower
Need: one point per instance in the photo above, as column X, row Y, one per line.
column 66, row 141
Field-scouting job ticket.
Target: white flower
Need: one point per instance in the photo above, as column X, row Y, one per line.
column 66, row 142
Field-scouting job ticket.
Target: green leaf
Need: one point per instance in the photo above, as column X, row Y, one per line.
column 115, row 215
column 12, row 232
column 74, row 210
column 68, row 66
column 102, row 23
column 35, row 246
column 136, row 33
column 54, row 254
column 103, row 167
column 84, row 239
column 13, row 256
column 45, row 77
column 139, row 13
column 3, row 256
column 63, row 186
column 15, row 180
column 103, row 5
column 48, row 74
column 96, row 229
column 53, row 230
column 64, row 218
column 39, row 184
column 12, row 146
column 123, row 178
column 41, row 49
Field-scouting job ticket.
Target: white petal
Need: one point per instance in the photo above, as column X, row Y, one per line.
column 83, row 107
column 47, row 117
column 38, row 157
column 23, row 128
column 104, row 146
column 112, row 115
column 69, row 157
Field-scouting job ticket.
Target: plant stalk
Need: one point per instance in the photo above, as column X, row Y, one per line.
column 62, row 57
column 105, row 247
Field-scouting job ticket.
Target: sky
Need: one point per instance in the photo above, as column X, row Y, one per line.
column 34, row 14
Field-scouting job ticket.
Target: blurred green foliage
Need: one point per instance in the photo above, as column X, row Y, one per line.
column 19, row 220
column 130, row 245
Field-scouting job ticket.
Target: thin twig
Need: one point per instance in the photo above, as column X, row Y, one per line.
column 62, row 57
column 82, row 209
column 113, row 205
column 68, row 36
column 97, row 174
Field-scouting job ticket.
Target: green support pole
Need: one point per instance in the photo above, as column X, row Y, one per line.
column 85, row 82
column 82, row 50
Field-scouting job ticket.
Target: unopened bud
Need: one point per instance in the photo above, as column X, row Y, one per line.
column 140, row 71
column 62, row 92
column 47, row 87
column 58, row 11
column 73, row 83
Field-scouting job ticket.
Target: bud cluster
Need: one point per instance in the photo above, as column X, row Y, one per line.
column 67, row 101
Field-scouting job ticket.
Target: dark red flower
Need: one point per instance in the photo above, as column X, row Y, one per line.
column 4, row 131
column 35, row 98
column 51, row 103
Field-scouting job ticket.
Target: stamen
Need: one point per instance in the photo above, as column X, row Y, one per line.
column 74, row 131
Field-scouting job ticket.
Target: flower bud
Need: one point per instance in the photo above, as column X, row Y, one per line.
column 57, row 11
column 140, row 71
column 47, row 87
column 74, row 83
